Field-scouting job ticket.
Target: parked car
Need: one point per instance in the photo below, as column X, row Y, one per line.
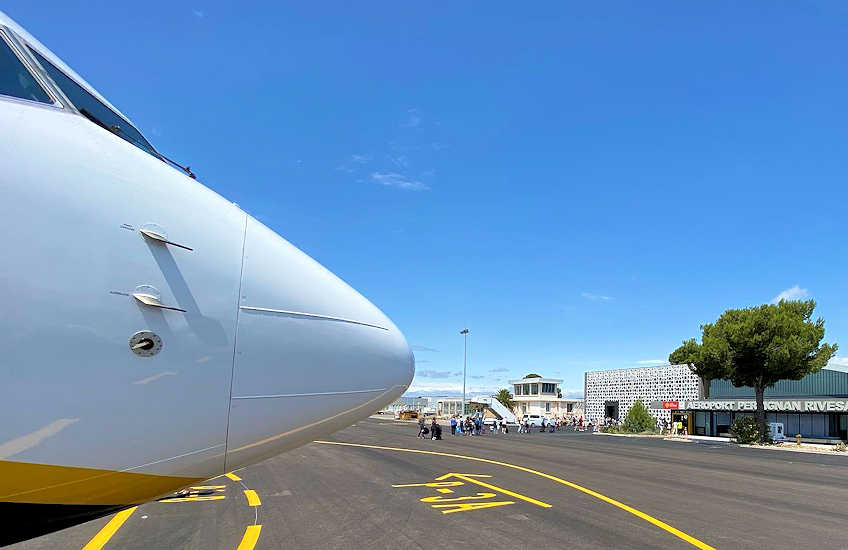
column 533, row 419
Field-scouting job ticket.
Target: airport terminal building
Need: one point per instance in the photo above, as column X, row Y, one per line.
column 611, row 393
column 538, row 395
column 815, row 406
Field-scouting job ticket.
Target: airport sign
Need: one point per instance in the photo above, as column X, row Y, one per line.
column 774, row 405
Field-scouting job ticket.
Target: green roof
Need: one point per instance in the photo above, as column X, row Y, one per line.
column 829, row 383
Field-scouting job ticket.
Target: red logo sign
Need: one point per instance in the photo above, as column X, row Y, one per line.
column 671, row 404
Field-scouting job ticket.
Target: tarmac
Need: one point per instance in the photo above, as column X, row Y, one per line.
column 375, row 485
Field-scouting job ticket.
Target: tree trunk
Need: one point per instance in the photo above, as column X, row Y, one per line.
column 761, row 411
column 705, row 387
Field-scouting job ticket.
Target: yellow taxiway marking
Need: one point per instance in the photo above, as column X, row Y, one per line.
column 208, row 487
column 431, row 484
column 445, row 490
column 192, row 499
column 638, row 513
column 251, row 535
column 233, row 476
column 103, row 536
column 470, row 479
column 252, row 498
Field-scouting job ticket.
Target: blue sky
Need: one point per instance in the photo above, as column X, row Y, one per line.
column 581, row 185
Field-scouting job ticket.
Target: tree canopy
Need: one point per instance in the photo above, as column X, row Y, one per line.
column 532, row 375
column 505, row 398
column 701, row 361
column 759, row 346
column 764, row 344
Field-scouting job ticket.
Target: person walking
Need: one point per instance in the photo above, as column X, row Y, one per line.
column 421, row 426
column 453, row 424
column 434, row 427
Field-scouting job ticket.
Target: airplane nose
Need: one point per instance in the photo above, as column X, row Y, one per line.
column 312, row 354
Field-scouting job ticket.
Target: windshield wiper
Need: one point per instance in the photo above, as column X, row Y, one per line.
column 115, row 129
column 186, row 169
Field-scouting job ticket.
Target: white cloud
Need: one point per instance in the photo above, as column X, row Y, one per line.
column 353, row 164
column 200, row 14
column 793, row 293
column 596, row 297
column 450, row 388
column 652, row 362
column 838, row 363
column 414, row 119
column 418, row 347
column 430, row 373
column 400, row 161
column 393, row 179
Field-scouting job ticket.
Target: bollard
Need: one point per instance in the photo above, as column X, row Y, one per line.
column 798, row 439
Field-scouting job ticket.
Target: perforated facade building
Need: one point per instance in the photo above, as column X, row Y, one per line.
column 610, row 393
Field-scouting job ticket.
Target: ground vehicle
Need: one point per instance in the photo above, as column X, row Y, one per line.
column 407, row 415
column 533, row 419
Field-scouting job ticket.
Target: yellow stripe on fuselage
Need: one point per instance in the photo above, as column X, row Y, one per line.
column 51, row 484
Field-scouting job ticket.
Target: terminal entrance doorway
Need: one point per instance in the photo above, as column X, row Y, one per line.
column 685, row 419
column 611, row 409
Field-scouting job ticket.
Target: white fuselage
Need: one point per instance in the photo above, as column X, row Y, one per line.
column 271, row 351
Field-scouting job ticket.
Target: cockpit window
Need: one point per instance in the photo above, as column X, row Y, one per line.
column 93, row 109
column 15, row 79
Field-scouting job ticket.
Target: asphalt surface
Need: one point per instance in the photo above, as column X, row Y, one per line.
column 642, row 493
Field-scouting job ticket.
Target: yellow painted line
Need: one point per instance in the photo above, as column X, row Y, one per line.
column 470, row 479
column 638, row 513
column 445, row 490
column 432, row 484
column 192, row 499
column 252, row 498
column 233, row 476
column 251, row 535
column 103, row 536
column 207, row 487
column 469, row 506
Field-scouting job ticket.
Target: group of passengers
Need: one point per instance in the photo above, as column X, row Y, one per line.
column 475, row 426
column 433, row 432
column 549, row 425
column 673, row 428
column 609, row 421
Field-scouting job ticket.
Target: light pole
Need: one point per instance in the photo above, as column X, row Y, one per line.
column 464, row 333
